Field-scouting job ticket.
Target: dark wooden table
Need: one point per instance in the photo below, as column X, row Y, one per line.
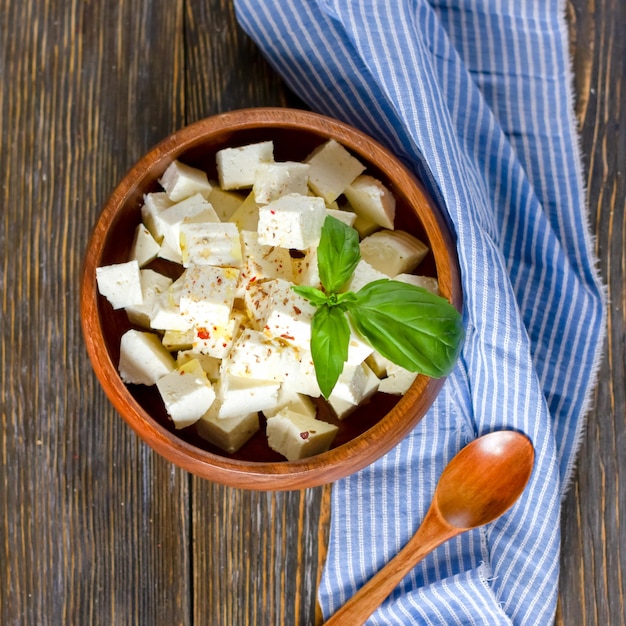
column 94, row 527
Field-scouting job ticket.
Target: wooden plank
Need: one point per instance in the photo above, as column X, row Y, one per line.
column 94, row 527
column 593, row 563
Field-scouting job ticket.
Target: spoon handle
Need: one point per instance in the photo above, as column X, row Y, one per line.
column 433, row 531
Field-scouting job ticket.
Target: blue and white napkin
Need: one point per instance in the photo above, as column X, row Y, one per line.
column 475, row 96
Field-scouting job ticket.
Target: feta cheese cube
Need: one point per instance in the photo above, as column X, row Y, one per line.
column 364, row 226
column 225, row 203
column 145, row 248
column 292, row 221
column 364, row 273
column 253, row 355
column 181, row 181
column 230, row 433
column 297, row 436
column 153, row 285
column 333, row 168
column 246, row 217
column 216, row 340
column 393, row 252
column 242, row 395
column 209, row 364
column 344, row 407
column 347, row 217
column 166, row 314
column 257, row 300
column 425, row 282
column 398, row 380
column 372, row 201
column 236, row 167
column 187, row 393
column 153, row 204
column 207, row 294
column 143, row 360
column 296, row 402
column 176, row 340
column 304, row 379
column 120, row 284
column 210, row 243
column 273, row 180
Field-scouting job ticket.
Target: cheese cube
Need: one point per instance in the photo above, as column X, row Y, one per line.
column 371, row 200
column 187, row 393
column 333, row 168
column 288, row 315
column 358, row 348
column 393, row 252
column 120, row 284
column 364, row 226
column 210, row 243
column 261, row 262
column 216, row 340
column 181, row 181
column 154, row 204
column 236, row 167
column 398, row 380
column 344, row 407
column 170, row 219
column 143, row 360
column 225, row 203
column 364, row 273
column 242, row 395
column 273, row 180
column 246, row 217
column 257, row 301
column 292, row 221
column 153, row 285
column 425, row 282
column 207, row 294
column 296, row 402
column 304, row 379
column 166, row 314
column 229, row 434
column 209, row 364
column 145, row 248
column 253, row 355
column 176, row 340
column 297, row 436
column 347, row 217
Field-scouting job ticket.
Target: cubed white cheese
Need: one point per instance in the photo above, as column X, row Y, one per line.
column 236, row 167
column 166, row 314
column 333, row 168
column 187, row 393
column 153, row 285
column 343, row 407
column 426, row 282
column 207, row 294
column 154, row 204
column 292, row 221
column 288, row 315
column 257, row 300
column 229, row 434
column 176, row 340
column 225, row 203
column 253, row 355
column 216, row 340
column 145, row 247
column 242, row 395
column 364, row 273
column 296, row 402
column 246, row 217
column 120, row 284
column 347, row 217
column 273, row 180
column 143, row 359
column 304, row 379
column 364, row 226
column 210, row 243
column 209, row 364
column 393, row 252
column 371, row 200
column 398, row 380
column 297, row 436
column 181, row 181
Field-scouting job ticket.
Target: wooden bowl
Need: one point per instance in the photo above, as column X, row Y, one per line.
column 368, row 433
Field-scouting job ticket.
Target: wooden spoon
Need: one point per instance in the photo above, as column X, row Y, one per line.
column 480, row 483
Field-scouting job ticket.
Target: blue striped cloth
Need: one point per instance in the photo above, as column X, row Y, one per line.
column 475, row 96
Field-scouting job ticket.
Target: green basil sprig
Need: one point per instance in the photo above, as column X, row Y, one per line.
column 408, row 325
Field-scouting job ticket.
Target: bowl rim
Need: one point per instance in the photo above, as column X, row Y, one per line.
column 326, row 467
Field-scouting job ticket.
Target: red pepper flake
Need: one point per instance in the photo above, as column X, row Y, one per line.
column 224, row 345
column 253, row 279
column 286, row 336
column 297, row 310
column 203, row 334
column 272, row 212
column 305, row 435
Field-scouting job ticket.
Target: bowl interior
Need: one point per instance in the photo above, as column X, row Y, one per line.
column 293, row 140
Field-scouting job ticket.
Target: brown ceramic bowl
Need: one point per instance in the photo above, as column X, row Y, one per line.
column 368, row 433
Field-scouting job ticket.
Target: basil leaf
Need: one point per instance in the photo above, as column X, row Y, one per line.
column 313, row 295
column 330, row 337
column 338, row 254
column 409, row 325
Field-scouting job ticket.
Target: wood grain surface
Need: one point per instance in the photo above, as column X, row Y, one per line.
column 94, row 527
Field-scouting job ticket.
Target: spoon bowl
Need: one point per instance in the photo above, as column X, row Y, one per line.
column 483, row 481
